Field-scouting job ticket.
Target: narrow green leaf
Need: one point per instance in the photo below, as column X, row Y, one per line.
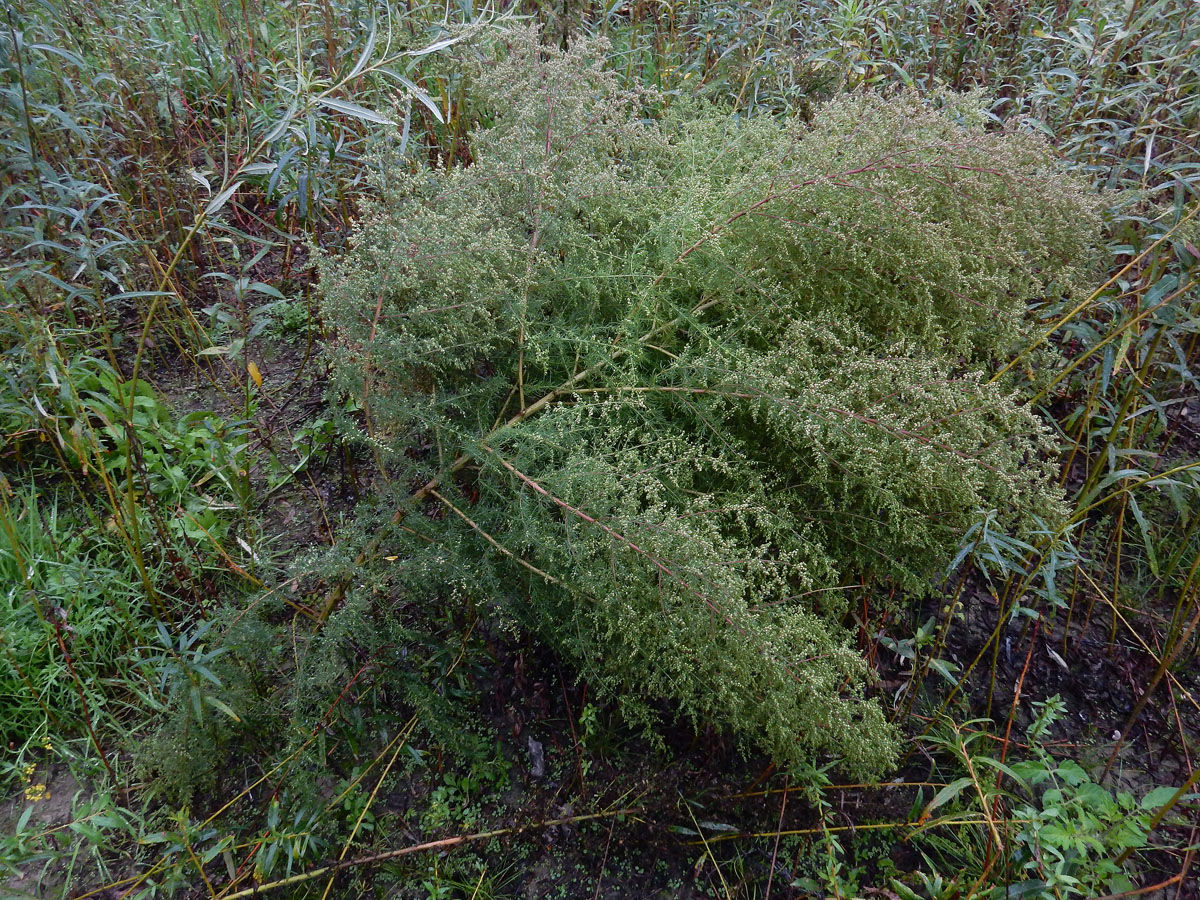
column 219, row 201
column 353, row 109
column 223, row 707
column 368, row 49
column 945, row 795
column 423, row 97
column 1144, row 528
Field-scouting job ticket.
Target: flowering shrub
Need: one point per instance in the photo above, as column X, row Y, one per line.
column 656, row 384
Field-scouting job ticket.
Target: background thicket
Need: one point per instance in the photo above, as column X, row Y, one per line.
column 754, row 371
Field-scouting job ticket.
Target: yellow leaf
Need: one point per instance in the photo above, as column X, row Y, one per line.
column 252, row 368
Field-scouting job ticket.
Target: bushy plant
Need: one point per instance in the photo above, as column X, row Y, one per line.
column 652, row 383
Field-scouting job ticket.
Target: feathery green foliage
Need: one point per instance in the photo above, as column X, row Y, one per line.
column 669, row 380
